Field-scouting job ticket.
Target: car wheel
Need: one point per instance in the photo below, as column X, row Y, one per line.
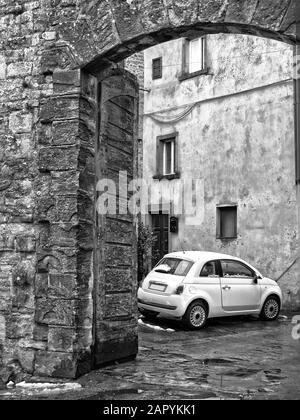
column 271, row 309
column 196, row 315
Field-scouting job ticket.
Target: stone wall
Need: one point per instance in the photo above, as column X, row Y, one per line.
column 47, row 123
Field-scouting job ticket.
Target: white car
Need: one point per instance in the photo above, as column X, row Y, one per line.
column 196, row 286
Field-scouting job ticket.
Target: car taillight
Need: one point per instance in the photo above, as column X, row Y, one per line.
column 179, row 290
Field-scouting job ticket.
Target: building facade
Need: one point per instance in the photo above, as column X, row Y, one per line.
column 219, row 110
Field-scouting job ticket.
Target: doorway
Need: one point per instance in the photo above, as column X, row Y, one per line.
column 160, row 228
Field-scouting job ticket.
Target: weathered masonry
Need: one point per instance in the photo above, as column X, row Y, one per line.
column 67, row 276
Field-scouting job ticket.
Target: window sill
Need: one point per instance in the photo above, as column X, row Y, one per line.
column 168, row 177
column 186, row 76
column 234, row 238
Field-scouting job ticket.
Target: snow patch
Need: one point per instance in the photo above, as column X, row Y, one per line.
column 48, row 387
column 155, row 327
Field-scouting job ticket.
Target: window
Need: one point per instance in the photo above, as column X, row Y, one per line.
column 236, row 269
column 209, row 270
column 174, row 266
column 227, row 222
column 194, row 58
column 196, row 55
column 157, row 68
column 167, row 156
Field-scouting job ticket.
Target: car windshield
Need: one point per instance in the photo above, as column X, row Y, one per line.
column 174, row 266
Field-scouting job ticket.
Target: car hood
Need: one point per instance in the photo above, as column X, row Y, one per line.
column 268, row 282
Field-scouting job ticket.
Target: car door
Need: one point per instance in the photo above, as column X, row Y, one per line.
column 239, row 287
column 206, row 283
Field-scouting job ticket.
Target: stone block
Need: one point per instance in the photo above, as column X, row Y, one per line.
column 64, row 183
column 19, row 69
column 20, row 122
column 49, row 36
column 26, row 358
column 23, row 274
column 66, row 209
column 60, row 108
column 118, row 305
column 58, row 158
column 41, row 285
column 25, row 243
column 62, row 285
column 7, row 242
column 66, row 81
column 45, row 134
column 19, row 325
column 53, row 311
column 40, row 333
column 55, row 364
column 65, row 132
column 61, row 339
column 118, row 279
column 58, row 260
column 63, row 235
column 118, row 255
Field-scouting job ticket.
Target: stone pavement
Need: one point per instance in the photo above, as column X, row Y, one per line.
column 232, row 359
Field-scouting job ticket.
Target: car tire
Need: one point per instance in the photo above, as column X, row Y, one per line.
column 151, row 316
column 271, row 309
column 196, row 316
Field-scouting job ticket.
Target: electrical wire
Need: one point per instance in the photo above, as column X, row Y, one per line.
column 188, row 108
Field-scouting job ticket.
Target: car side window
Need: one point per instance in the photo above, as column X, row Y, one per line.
column 236, row 269
column 209, row 270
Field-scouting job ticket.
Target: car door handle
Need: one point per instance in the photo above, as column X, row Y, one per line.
column 226, row 288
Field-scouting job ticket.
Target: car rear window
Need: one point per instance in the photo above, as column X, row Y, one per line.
column 178, row 267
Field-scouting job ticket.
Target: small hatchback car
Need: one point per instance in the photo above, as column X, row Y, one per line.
column 196, row 286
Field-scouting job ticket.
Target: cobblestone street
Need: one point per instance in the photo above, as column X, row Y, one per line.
column 232, row 359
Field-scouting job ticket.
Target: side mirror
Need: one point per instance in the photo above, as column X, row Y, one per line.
column 256, row 278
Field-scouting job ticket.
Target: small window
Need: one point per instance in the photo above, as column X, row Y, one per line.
column 157, row 68
column 236, row 269
column 196, row 54
column 227, row 222
column 209, row 270
column 166, row 156
column 169, row 157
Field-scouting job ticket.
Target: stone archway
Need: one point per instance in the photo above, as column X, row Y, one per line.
column 51, row 60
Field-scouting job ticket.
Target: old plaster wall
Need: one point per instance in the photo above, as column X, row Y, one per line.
column 240, row 145
column 47, row 130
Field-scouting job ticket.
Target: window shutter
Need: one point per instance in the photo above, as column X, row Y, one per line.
column 227, row 222
column 157, row 68
column 159, row 157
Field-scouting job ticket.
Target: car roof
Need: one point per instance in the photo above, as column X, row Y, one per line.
column 201, row 256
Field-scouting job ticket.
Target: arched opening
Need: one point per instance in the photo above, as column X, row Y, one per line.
column 118, row 54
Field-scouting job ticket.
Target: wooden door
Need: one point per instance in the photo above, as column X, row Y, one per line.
column 115, row 326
